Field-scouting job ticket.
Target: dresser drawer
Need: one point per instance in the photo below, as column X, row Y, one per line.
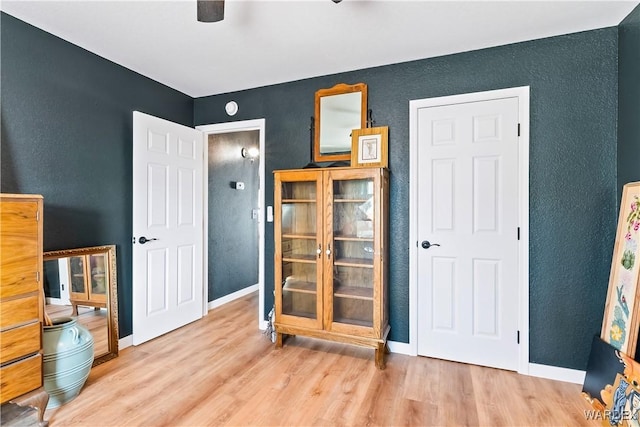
column 19, row 311
column 20, row 254
column 20, row 377
column 18, row 282
column 18, row 342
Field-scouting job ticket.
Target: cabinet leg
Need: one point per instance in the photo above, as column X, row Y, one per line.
column 380, row 353
column 74, row 309
column 37, row 400
column 278, row 340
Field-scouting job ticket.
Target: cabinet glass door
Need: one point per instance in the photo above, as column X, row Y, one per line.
column 77, row 273
column 99, row 277
column 354, row 250
column 300, row 249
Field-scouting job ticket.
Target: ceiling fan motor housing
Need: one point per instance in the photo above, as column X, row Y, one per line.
column 210, row 10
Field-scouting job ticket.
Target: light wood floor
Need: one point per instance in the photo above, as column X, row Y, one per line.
column 222, row 371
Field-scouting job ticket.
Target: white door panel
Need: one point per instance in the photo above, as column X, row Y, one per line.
column 468, row 204
column 167, row 207
column 65, row 281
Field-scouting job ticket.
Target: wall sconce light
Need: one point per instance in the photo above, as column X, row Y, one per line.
column 250, row 153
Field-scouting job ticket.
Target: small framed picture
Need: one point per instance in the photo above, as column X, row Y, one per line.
column 369, row 147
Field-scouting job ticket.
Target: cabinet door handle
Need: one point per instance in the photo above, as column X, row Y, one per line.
column 329, row 251
column 319, row 251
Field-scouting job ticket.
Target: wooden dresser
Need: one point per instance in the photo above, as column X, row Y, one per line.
column 21, row 302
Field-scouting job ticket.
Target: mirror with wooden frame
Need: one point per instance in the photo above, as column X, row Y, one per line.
column 82, row 283
column 338, row 110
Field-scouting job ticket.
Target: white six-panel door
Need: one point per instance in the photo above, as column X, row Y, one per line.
column 168, row 209
column 467, row 201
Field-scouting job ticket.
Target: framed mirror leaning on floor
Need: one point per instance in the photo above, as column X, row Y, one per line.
column 82, row 283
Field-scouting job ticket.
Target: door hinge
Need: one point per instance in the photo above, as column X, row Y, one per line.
column 37, row 276
column 518, row 129
column 37, row 216
column 518, row 233
column 518, row 337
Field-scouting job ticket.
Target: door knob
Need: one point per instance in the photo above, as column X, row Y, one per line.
column 142, row 240
column 426, row 244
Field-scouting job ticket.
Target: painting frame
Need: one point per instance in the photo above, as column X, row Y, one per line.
column 369, row 147
column 622, row 308
column 611, row 386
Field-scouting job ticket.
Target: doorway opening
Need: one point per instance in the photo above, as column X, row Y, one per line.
column 234, row 222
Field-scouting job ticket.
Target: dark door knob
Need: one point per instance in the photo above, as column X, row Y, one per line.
column 142, row 240
column 426, row 244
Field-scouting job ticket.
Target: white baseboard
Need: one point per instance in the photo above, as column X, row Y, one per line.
column 400, row 348
column 55, row 301
column 556, row 373
column 535, row 370
column 125, row 342
column 233, row 296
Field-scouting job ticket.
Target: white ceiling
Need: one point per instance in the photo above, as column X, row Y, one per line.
column 263, row 42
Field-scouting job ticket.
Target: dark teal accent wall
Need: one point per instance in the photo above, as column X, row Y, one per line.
column 573, row 82
column 66, row 134
column 233, row 233
column 629, row 99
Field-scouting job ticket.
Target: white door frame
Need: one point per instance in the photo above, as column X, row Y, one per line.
column 239, row 126
column 522, row 93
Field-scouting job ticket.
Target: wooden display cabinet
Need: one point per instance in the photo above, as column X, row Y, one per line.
column 89, row 279
column 331, row 255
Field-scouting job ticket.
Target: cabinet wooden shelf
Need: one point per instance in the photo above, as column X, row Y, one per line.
column 350, row 201
column 356, row 292
column 351, row 238
column 300, row 286
column 302, row 259
column 299, row 236
column 354, row 262
column 330, row 256
column 363, row 323
column 297, row 201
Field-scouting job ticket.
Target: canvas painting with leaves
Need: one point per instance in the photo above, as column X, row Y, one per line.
column 622, row 310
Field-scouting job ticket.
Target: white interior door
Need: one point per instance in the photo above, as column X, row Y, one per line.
column 167, row 226
column 65, row 281
column 467, row 190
